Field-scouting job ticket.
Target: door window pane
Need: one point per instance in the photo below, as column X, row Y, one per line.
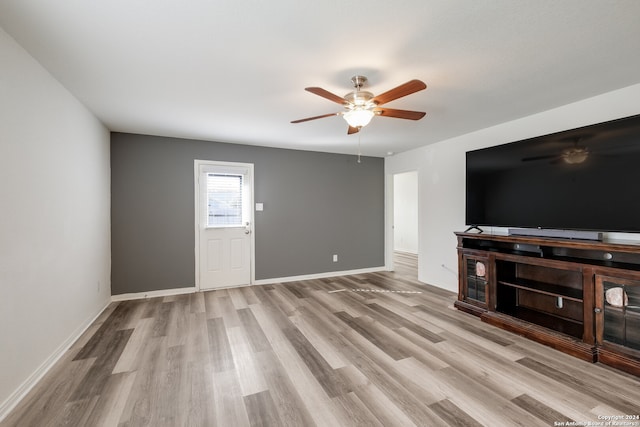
column 224, row 200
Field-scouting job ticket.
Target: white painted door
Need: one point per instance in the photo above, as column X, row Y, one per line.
column 224, row 224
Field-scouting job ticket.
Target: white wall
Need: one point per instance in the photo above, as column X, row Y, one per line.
column 441, row 171
column 54, row 219
column 405, row 212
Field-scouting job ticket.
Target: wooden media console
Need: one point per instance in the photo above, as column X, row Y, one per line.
column 580, row 297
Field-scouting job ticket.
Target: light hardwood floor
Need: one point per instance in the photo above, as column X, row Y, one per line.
column 376, row 349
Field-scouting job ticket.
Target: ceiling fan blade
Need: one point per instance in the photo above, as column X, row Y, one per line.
column 398, row 92
column 326, row 94
column 315, row 117
column 352, row 130
column 400, row 114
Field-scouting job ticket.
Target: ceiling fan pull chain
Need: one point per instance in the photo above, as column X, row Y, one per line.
column 359, row 151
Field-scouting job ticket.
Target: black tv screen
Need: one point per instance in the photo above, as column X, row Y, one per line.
column 581, row 179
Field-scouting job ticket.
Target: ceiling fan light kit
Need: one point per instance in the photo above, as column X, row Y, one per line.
column 360, row 105
column 358, row 117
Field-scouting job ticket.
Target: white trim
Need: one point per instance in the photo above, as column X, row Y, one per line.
column 153, row 294
column 193, row 289
column 318, row 275
column 12, row 401
column 402, row 251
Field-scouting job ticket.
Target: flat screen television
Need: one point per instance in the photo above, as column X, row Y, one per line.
column 581, row 179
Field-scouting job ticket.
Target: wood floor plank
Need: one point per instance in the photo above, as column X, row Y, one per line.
column 197, row 341
column 100, row 341
column 219, row 347
column 245, row 364
column 161, row 318
column 374, row 334
column 196, row 401
column 372, row 349
column 384, row 409
column 237, row 298
column 318, row 341
column 453, row 415
column 111, row 402
column 291, row 407
column 132, row 356
column 620, row 403
column 178, row 321
column 487, row 338
column 422, row 350
column 540, row 410
column 96, row 378
column 381, row 370
column 472, row 396
column 316, row 364
column 196, row 303
column 383, row 314
column 140, row 409
column 318, row 403
column 211, row 304
column 261, row 410
column 253, row 332
column 74, row 413
column 229, row 406
column 48, row 399
column 168, row 382
column 249, row 296
column 356, row 412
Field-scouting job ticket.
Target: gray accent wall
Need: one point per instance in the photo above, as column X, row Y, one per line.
column 315, row 205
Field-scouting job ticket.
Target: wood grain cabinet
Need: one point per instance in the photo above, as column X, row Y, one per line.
column 580, row 297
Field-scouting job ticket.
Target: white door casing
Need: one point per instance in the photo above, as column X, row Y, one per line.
column 224, row 238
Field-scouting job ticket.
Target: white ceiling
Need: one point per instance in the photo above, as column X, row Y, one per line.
column 235, row 70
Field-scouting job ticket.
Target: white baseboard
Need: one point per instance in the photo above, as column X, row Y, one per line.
column 318, row 275
column 12, row 401
column 406, row 251
column 193, row 289
column 153, row 294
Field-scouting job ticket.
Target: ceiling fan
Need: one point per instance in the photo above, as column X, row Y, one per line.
column 572, row 155
column 360, row 105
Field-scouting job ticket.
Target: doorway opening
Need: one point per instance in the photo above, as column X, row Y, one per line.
column 405, row 220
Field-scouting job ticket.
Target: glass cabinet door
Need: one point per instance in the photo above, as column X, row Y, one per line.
column 476, row 277
column 618, row 318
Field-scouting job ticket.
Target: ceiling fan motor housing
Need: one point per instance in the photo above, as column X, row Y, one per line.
column 359, row 98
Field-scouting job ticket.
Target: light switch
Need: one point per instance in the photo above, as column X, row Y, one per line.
column 259, row 207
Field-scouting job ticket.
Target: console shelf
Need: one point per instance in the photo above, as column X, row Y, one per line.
column 545, row 288
column 580, row 297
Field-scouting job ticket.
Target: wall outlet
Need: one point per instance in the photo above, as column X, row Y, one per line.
column 335, row 258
